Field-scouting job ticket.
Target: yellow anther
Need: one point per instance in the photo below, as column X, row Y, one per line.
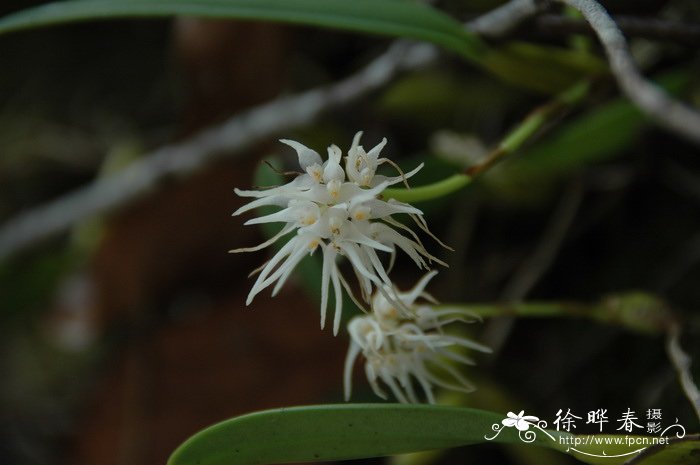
column 308, row 220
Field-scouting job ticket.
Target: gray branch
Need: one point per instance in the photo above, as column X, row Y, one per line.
column 502, row 20
column 667, row 112
column 681, row 362
column 232, row 136
column 181, row 159
column 631, row 26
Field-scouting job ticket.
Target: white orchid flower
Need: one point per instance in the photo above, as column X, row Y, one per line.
column 408, row 345
column 340, row 212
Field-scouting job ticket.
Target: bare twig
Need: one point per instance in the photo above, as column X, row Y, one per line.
column 234, row 135
column 503, row 19
column 181, row 159
column 681, row 362
column 631, row 26
column 668, row 112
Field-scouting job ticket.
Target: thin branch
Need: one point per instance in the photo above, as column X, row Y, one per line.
column 671, row 114
column 502, row 20
column 631, row 26
column 520, row 134
column 182, row 159
column 681, row 362
column 225, row 140
column 640, row 312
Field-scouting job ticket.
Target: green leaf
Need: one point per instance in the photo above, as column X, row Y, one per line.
column 385, row 17
column 534, row 67
column 601, row 134
column 544, row 69
column 352, row 431
column 338, row 432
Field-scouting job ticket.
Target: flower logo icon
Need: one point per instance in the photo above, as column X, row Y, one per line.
column 521, row 421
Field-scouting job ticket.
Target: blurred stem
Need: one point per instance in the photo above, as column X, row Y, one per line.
column 430, row 191
column 510, row 143
column 672, row 114
column 681, row 362
column 636, row 311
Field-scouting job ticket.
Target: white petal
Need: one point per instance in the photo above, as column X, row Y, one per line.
column 307, row 157
column 389, row 381
column 466, row 386
column 352, row 252
column 285, row 269
column 386, row 234
column 338, row 300
column 353, row 352
column 332, row 169
column 292, row 252
column 328, row 259
column 275, row 200
column 456, row 357
column 353, row 234
column 396, row 179
column 285, row 230
column 377, row 264
column 427, row 388
column 355, row 141
column 289, row 267
column 411, row 296
column 366, row 194
column 464, row 342
column 373, row 154
column 381, row 208
column 372, row 378
column 287, row 215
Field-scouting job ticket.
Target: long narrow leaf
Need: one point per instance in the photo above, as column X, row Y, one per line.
column 351, row 431
column 385, row 17
column 335, row 432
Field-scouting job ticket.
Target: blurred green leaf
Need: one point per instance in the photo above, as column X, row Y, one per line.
column 597, row 135
column 385, row 17
column 545, row 70
column 548, row 70
column 336, row 432
column 351, row 431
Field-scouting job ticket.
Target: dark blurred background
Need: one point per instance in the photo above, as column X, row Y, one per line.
column 127, row 335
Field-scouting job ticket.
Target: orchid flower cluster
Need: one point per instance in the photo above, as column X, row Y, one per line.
column 411, row 344
column 338, row 208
